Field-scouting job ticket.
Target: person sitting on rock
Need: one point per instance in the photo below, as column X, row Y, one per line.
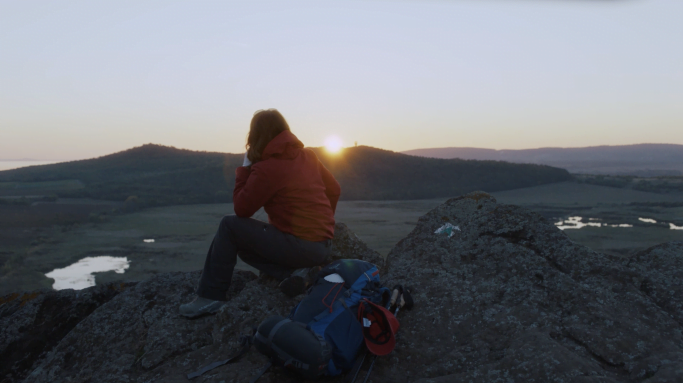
column 300, row 197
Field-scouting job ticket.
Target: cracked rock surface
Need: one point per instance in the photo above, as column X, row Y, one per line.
column 510, row 298
column 34, row 322
column 507, row 298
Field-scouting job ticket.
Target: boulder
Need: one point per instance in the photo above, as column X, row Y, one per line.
column 346, row 244
column 660, row 269
column 510, row 298
column 32, row 323
column 135, row 333
column 139, row 335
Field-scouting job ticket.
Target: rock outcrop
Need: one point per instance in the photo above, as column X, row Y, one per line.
column 33, row 323
column 660, row 269
column 507, row 298
column 130, row 332
column 510, row 298
column 346, row 244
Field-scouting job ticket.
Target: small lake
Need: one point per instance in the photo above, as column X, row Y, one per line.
column 80, row 275
column 671, row 225
column 577, row 223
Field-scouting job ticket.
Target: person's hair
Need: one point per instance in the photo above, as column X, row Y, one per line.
column 265, row 125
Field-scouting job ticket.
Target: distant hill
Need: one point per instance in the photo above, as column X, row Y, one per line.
column 160, row 175
column 637, row 160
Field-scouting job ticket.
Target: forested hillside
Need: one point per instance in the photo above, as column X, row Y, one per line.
column 159, row 175
column 370, row 173
column 643, row 160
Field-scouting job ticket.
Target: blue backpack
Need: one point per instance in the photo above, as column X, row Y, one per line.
column 322, row 334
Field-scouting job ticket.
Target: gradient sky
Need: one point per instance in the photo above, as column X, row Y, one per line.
column 80, row 79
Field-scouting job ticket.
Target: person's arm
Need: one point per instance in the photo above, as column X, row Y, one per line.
column 252, row 190
column 332, row 188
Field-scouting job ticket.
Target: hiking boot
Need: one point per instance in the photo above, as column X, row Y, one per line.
column 300, row 279
column 200, row 306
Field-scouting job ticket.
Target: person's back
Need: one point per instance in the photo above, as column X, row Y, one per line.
column 300, row 196
column 298, row 193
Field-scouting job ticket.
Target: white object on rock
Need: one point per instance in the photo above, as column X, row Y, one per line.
column 447, row 229
column 334, row 278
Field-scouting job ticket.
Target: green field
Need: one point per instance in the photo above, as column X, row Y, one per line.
column 182, row 234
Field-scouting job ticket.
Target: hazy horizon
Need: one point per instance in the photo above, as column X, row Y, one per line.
column 81, row 80
column 53, row 160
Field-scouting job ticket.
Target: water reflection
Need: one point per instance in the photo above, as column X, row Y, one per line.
column 80, row 274
column 671, row 225
column 575, row 223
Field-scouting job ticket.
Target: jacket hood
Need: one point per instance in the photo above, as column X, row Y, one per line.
column 285, row 145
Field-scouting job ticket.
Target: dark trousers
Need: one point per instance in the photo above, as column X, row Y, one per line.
column 260, row 245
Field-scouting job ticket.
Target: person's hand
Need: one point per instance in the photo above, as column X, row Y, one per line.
column 246, row 160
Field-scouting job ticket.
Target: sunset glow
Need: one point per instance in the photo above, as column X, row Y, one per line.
column 86, row 79
column 333, row 144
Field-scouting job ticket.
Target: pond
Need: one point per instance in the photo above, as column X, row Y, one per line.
column 80, row 275
column 650, row 220
column 577, row 223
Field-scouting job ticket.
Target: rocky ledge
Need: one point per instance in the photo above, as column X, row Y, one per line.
column 506, row 298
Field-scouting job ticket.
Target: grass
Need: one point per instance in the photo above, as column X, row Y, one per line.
column 609, row 205
column 572, row 193
column 182, row 237
column 183, row 233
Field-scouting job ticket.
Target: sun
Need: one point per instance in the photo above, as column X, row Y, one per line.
column 333, row 144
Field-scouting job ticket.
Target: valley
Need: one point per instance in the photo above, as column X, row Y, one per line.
column 182, row 234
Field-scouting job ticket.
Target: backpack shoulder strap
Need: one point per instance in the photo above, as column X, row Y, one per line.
column 358, row 284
